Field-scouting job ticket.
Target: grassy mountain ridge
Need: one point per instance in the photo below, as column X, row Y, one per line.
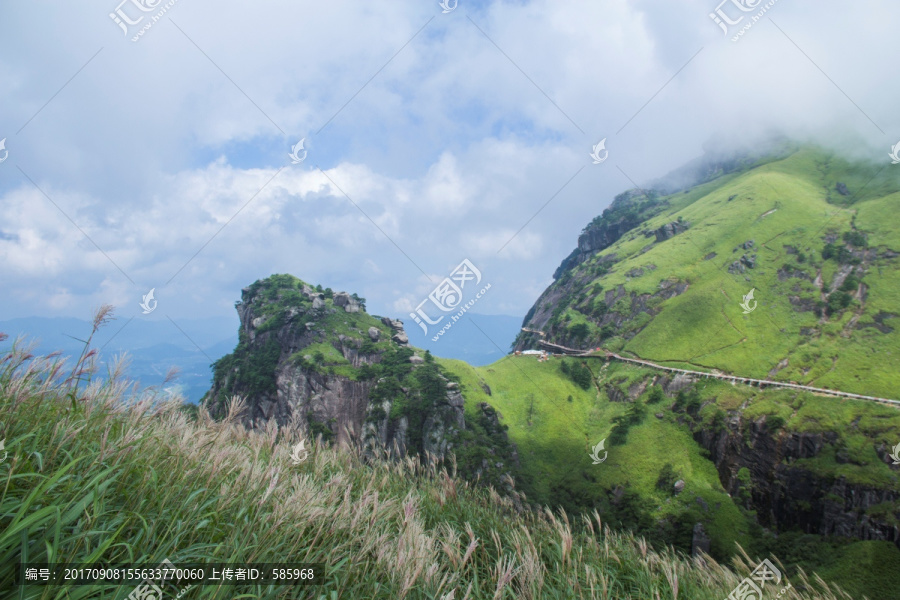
column 812, row 236
column 821, row 319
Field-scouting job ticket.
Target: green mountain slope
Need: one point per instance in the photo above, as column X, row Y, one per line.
column 812, row 235
column 661, row 275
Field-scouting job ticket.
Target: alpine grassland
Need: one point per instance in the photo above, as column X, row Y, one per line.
column 96, row 472
column 825, row 313
column 554, row 436
column 783, row 268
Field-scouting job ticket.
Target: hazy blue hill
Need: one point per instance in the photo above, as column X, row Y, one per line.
column 477, row 339
column 152, row 346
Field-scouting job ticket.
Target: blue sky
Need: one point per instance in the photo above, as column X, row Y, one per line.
column 163, row 163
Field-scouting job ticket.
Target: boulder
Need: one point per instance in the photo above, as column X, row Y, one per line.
column 345, row 301
column 395, row 324
column 679, row 486
column 374, row 334
column 670, row 230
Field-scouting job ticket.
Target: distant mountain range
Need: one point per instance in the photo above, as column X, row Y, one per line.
column 477, row 339
column 155, row 345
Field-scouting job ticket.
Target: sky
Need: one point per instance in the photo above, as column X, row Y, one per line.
column 431, row 135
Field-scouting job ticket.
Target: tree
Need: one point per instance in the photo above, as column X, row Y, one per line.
column 656, row 395
column 361, row 301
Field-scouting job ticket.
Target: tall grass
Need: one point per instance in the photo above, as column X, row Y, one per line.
column 96, row 474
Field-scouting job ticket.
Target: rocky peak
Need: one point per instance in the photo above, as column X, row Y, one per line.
column 316, row 360
column 399, row 336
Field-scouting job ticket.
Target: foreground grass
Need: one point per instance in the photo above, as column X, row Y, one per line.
column 94, row 475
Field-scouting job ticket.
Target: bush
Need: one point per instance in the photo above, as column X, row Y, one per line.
column 578, row 373
column 774, row 423
column 579, row 331
column 840, row 254
column 667, row 478
column 689, row 401
column 850, row 284
column 717, row 423
column 838, row 301
column 855, row 238
column 634, row 416
column 316, row 428
column 656, row 395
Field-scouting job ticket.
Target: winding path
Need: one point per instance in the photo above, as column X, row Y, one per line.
column 732, row 378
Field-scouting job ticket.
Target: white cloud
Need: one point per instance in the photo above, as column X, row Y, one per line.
column 450, row 148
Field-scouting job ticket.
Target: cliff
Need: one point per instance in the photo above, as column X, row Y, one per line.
column 316, row 360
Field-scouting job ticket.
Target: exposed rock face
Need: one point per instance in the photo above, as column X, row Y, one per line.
column 628, row 210
column 596, row 239
column 785, row 494
column 399, row 337
column 700, row 541
column 670, row 230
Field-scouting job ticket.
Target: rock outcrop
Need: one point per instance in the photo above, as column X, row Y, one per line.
column 317, row 361
column 670, row 230
column 786, row 493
